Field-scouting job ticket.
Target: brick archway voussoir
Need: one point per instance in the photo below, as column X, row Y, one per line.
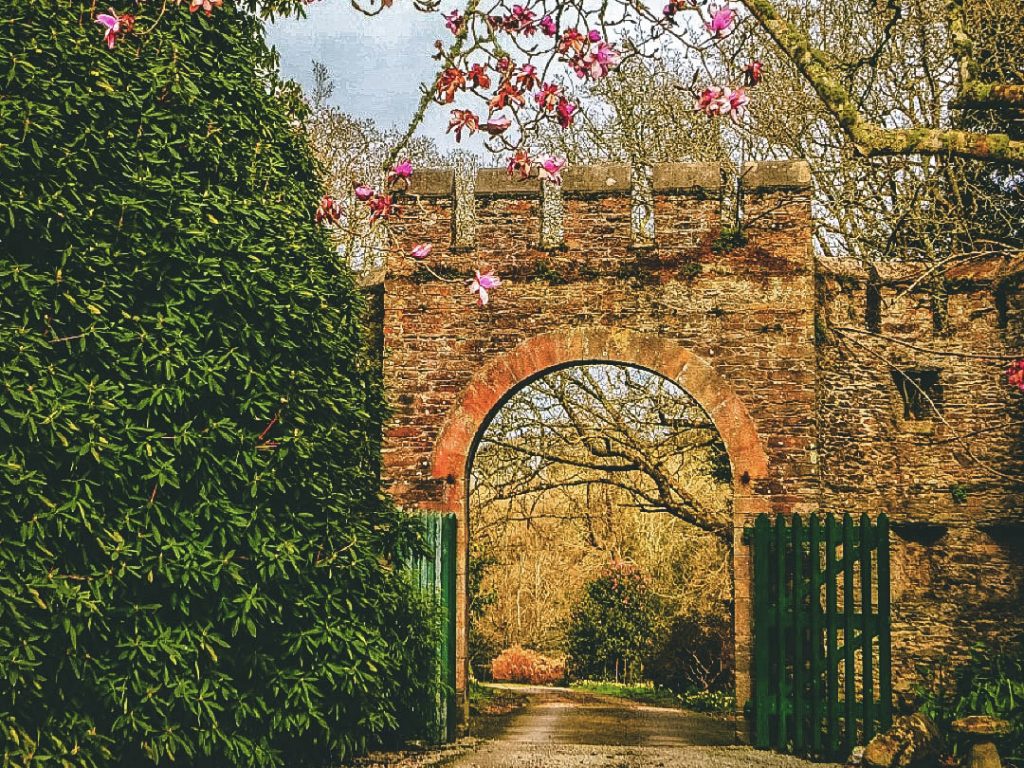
column 539, row 353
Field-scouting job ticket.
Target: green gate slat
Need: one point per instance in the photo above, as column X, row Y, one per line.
column 435, row 574
column 448, row 551
column 867, row 646
column 762, row 647
column 814, row 593
column 884, row 635
column 849, row 669
column 798, row 638
column 831, row 632
column 780, row 632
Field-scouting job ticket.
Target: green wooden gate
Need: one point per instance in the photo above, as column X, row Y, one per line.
column 435, row 573
column 821, row 668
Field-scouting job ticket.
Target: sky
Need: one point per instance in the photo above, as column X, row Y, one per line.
column 377, row 63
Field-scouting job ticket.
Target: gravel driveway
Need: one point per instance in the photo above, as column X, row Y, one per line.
column 561, row 728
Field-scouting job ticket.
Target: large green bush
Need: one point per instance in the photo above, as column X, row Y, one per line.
column 612, row 628
column 195, row 559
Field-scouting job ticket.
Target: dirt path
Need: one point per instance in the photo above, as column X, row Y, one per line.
column 561, row 728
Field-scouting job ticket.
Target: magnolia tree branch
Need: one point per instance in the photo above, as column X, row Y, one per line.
column 976, row 94
column 869, row 139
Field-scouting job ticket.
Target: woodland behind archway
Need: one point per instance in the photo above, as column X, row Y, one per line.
column 586, row 468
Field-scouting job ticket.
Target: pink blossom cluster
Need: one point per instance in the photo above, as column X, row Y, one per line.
column 515, row 83
column 719, row 101
column 329, row 211
column 549, row 168
column 510, row 86
column 1015, row 374
column 116, row 24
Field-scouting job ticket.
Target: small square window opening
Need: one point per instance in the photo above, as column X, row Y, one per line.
column 921, row 392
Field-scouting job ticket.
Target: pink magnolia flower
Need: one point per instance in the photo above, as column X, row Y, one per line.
column 572, row 40
column 708, row 100
column 505, row 95
column 463, row 119
column 497, row 125
column 527, row 78
column 401, row 172
column 594, row 36
column 738, row 101
column 421, row 251
column 478, row 76
column 721, row 22
column 328, row 212
column 550, row 169
column 382, row 207
column 565, row 112
column 752, row 73
column 112, row 27
column 521, row 20
column 451, row 80
column 719, row 102
column 548, row 26
column 547, row 97
column 597, row 62
column 520, row 164
column 482, row 285
column 363, row 192
column 505, row 66
column 1015, row 374
column 453, row 21
column 207, row 6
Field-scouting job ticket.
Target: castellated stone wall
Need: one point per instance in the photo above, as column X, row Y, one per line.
column 784, row 351
column 952, row 476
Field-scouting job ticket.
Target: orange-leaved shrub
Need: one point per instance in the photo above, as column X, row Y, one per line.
column 524, row 665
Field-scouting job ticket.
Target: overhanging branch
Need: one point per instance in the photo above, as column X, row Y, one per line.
column 869, row 139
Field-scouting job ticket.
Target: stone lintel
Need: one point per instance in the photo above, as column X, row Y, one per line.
column 774, row 175
column 686, row 178
column 495, row 182
column 588, row 180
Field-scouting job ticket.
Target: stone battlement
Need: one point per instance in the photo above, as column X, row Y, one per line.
column 588, row 227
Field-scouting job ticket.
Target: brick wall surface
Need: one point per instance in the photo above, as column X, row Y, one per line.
column 775, row 345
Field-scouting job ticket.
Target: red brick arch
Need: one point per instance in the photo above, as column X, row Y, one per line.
column 503, row 374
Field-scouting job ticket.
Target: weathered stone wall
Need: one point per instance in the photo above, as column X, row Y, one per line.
column 951, row 479
column 779, row 349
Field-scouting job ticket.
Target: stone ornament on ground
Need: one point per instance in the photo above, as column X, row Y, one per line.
column 912, row 742
column 982, row 731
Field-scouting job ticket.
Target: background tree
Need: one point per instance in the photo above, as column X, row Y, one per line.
column 609, row 425
column 613, row 627
column 196, row 562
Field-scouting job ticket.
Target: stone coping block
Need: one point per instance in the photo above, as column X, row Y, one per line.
column 585, row 180
column 775, row 174
column 432, row 182
column 686, row 177
column 495, row 182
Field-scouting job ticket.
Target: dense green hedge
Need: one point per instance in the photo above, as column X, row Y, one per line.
column 171, row 583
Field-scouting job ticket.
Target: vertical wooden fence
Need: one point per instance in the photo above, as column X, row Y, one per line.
column 435, row 573
column 821, row 669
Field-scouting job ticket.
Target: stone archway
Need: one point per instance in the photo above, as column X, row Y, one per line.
column 503, row 375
